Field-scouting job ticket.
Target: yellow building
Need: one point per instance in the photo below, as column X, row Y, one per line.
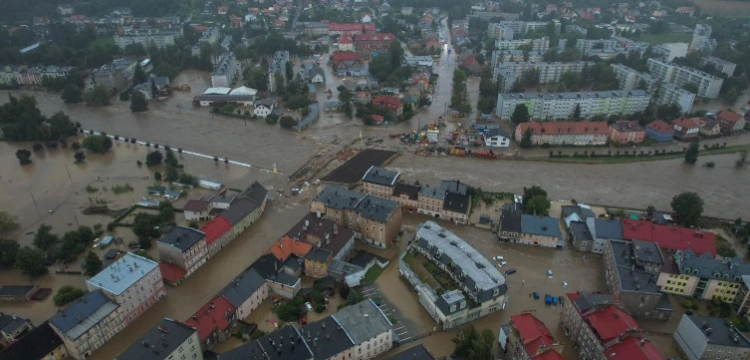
column 704, row 277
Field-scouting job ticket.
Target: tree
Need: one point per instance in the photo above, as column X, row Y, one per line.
column 154, row 158
column 139, row 76
column 31, row 262
column 396, row 54
column 287, row 122
column 530, row 192
column 650, row 210
column 256, row 78
column 577, row 113
column 486, row 104
column 289, row 71
column 98, row 96
column 538, row 205
column 742, row 160
column 170, row 159
column 278, row 81
column 8, row 253
column 691, row 87
column 688, row 207
column 24, row 156
column 138, row 102
column 79, row 156
column 71, row 94
column 474, row 345
column 44, row 239
column 520, row 114
column 272, row 119
column 7, row 222
column 171, row 174
column 93, row 264
column 691, row 155
column 526, row 139
column 98, row 144
column 66, row 295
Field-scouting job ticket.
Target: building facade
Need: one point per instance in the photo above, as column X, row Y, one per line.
column 169, row 340
column 626, row 132
column 549, row 72
column 553, row 106
column 708, row 85
column 184, row 247
column 702, row 337
column 147, row 37
column 703, row 277
column 530, row 339
column 576, row 133
column 226, row 71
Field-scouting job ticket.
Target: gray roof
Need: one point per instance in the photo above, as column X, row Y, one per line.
column 511, row 221
column 456, row 202
column 418, row 352
column 432, row 192
column 243, row 352
column 363, row 321
column 632, row 276
column 481, row 276
column 453, row 186
column 605, row 229
column 381, row 176
column 580, row 231
column 243, row 287
column 318, row 254
column 582, row 212
column 37, row 344
column 83, row 314
column 324, row 338
column 707, row 267
column 371, row 207
column 239, row 210
column 312, row 116
column 647, row 251
column 15, row 290
column 9, row 323
column 256, row 193
column 412, row 191
column 587, row 301
column 284, row 344
column 168, row 336
column 722, row 333
column 378, row 209
column 182, row 237
column 496, row 132
column 540, row 225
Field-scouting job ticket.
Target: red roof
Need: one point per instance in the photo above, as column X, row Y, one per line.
column 534, row 334
column 377, row 119
column 610, row 322
column 200, row 28
column 344, row 27
column 660, row 126
column 215, row 229
column 686, row 123
column 339, row 56
column 624, row 126
column 374, row 37
column 550, row 354
column 286, row 246
column 566, row 127
column 730, row 116
column 461, row 32
column 670, row 237
column 388, row 102
column 171, row 272
column 343, row 39
column 369, row 27
column 633, row 348
column 212, row 317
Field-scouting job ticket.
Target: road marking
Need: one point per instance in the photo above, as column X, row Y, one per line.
column 404, row 339
column 399, row 328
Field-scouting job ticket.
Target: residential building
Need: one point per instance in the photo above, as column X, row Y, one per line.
column 702, row 337
column 36, row 75
column 117, row 75
column 419, row 61
column 723, row 66
column 226, row 70
column 481, row 288
column 450, row 201
column 168, row 340
column 17, row 292
column 709, row 128
column 184, row 247
column 703, row 277
column 407, row 195
column 368, row 327
column 218, row 234
column 626, row 132
column 379, row 181
column 730, row 121
column 576, row 213
column 246, row 210
column 500, row 32
column 701, row 37
column 271, row 346
column 507, row 73
column 496, row 138
column 390, row 103
column 326, row 342
column 214, row 322
column 510, row 225
column 346, row 43
column 577, row 133
column 330, row 242
column 552, row 106
column 373, row 43
column 335, row 29
column 499, row 56
column 314, row 74
column 707, row 84
column 280, row 283
column 415, row 352
column 160, row 38
column 264, row 107
column 541, row 44
column 134, row 282
column 530, row 339
column 670, row 237
column 246, row 292
column 88, row 323
column 376, row 221
column 277, row 66
column 686, row 128
column 601, row 330
column 40, row 343
column 13, row 327
column 593, row 234
column 539, row 230
column 631, row 270
column 660, row 131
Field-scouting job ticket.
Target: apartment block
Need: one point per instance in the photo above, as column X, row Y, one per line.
column 499, row 56
column 226, row 71
column 702, row 276
column 519, row 228
column 380, row 182
column 277, row 66
column 723, row 66
column 523, row 27
column 134, row 282
column 214, row 322
column 500, row 32
column 630, row 79
column 169, row 340
column 184, row 247
column 741, row 304
column 560, row 133
column 549, row 72
column 555, row 106
column 708, row 85
column 160, row 38
column 481, row 289
column 529, row 339
column 702, row 337
column 541, row 44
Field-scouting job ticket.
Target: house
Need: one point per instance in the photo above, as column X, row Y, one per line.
column 580, row 133
column 88, row 323
column 626, row 132
column 349, row 64
column 134, row 282
column 510, row 225
column 214, row 322
column 346, row 43
column 271, row 346
column 280, row 283
column 530, row 339
column 380, row 182
column 709, row 128
column 660, row 131
column 286, row 247
column 701, row 337
column 235, row 22
column 373, row 43
column 12, row 327
column 310, row 118
column 337, row 344
column 218, row 234
column 314, row 74
column 222, row 10
column 172, row 339
column 593, row 235
column 540, row 230
column 17, row 292
column 246, row 292
column 264, row 107
column 184, row 247
column 390, row 103
column 362, row 97
column 685, row 128
column 631, row 270
column 368, row 328
column 470, row 63
column 571, row 213
column 40, row 343
column 730, row 121
column 366, row 19
column 670, row 238
column 377, row 119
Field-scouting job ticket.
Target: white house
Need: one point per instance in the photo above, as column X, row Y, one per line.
column 366, row 19
column 496, row 138
column 264, row 107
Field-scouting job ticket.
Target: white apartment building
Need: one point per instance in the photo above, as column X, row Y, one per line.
column 169, row 340
column 726, row 67
column 500, row 32
column 133, row 282
column 160, row 38
column 500, row 56
column 553, row 106
column 630, row 79
column 523, row 27
column 226, row 70
column 549, row 72
column 708, row 85
column 541, row 44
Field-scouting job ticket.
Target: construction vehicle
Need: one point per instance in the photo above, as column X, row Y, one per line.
column 458, row 151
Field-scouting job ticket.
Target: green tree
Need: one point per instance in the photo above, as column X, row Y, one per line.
column 278, row 81
column 538, row 205
column 688, row 206
column 272, row 119
column 93, row 264
column 139, row 76
column 170, row 159
column 7, row 222
column 171, row 174
column 530, row 192
column 526, row 139
column 474, row 345
column 287, row 122
column 486, row 104
column 154, row 158
column 97, row 96
column 520, row 114
column 255, row 77
column 71, row 94
column 577, row 113
column 8, row 253
column 66, row 295
column 31, row 262
column 98, row 144
column 166, row 212
column 24, row 156
column 691, row 155
column 396, row 53
column 289, row 71
column 44, row 239
column 138, row 102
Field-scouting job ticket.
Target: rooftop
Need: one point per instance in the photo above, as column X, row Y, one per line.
column 195, row 205
column 243, row 287
column 707, row 267
column 586, row 303
column 381, row 176
column 215, row 228
column 670, row 237
column 605, row 229
column 363, row 321
column 411, row 191
column 722, row 332
column 10, row 323
column 432, row 192
column 511, row 221
column 610, row 323
column 533, row 333
column 123, row 273
column 632, row 275
column 457, row 203
column 182, row 237
column 170, row 334
column 171, row 272
column 580, row 231
column 239, row 210
column 565, row 127
column 417, row 352
column 633, row 348
column 285, row 344
column 367, row 206
column 39, row 342
column 661, row 127
column 540, row 225
column 15, row 290
column 83, row 314
column 211, row 317
column 574, row 95
column 286, row 246
column 325, row 338
column 323, row 231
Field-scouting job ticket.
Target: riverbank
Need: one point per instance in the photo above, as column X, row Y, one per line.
column 616, row 159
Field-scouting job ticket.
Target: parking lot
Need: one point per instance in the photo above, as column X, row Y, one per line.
column 404, row 328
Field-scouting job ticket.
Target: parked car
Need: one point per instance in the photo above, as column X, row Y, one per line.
column 510, row 271
column 549, row 274
column 502, row 263
column 562, row 300
column 554, row 300
column 536, row 295
column 565, row 284
column 547, row 299
column 308, row 306
column 498, row 258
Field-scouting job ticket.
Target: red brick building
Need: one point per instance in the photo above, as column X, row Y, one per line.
column 390, row 103
column 370, row 43
column 730, row 121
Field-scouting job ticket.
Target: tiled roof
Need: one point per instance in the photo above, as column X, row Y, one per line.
column 686, row 123
column 374, row 37
column 670, row 237
column 389, row 102
column 313, row 230
column 533, row 333
column 566, row 128
column 344, row 27
column 661, row 127
column 611, row 322
column 339, row 56
column 287, row 246
column 626, row 126
column 211, row 317
column 215, row 228
column 550, row 354
column 343, row 39
column 730, row 116
column 171, row 272
column 195, row 205
column 633, row 348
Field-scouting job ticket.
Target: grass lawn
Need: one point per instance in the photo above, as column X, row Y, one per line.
column 372, row 274
column 656, row 39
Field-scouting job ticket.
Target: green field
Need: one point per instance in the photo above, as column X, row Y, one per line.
column 657, row 39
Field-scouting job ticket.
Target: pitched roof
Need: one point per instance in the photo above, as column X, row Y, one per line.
column 171, row 334
column 566, row 128
column 314, row 230
column 456, row 202
column 417, row 352
column 371, row 207
column 83, row 314
column 411, row 191
column 661, row 126
column 686, row 123
column 123, row 273
column 633, row 348
column 389, row 102
column 670, row 237
column 626, row 126
column 182, row 237
column 343, row 39
column 540, row 225
column 276, row 345
column 39, row 342
column 215, row 228
column 256, row 193
column 243, row 287
column 381, row 176
column 212, row 316
column 286, row 246
column 730, row 116
column 533, row 333
column 374, row 37
column 511, row 221
column 195, row 205
column 611, row 322
column 171, row 272
column 363, row 321
column 239, row 210
column 325, row 339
